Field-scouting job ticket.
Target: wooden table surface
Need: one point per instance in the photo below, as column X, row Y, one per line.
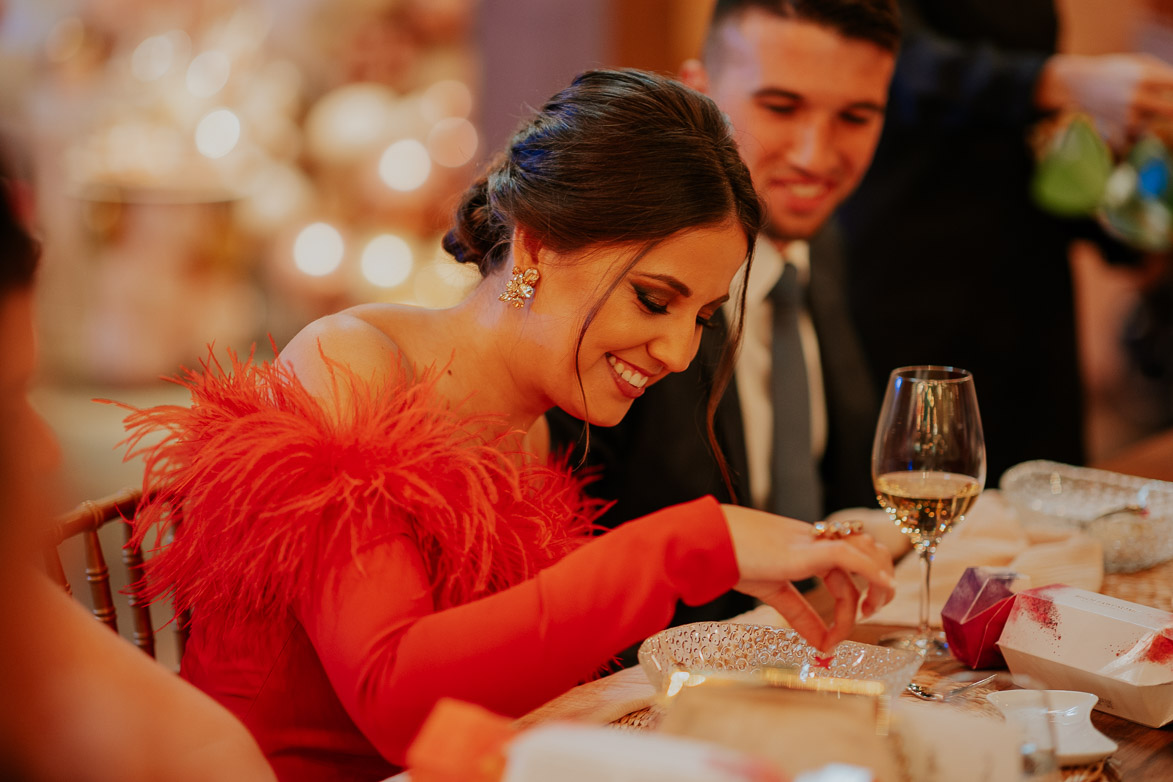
column 1144, row 754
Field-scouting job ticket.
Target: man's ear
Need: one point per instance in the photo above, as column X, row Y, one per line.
column 693, row 73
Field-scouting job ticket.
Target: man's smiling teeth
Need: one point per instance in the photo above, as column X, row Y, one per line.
column 807, row 190
column 628, row 374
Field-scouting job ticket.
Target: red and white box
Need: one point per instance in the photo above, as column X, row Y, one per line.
column 1072, row 639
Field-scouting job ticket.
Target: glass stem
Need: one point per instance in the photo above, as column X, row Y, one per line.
column 926, row 564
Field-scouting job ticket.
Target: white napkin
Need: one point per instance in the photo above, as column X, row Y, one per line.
column 990, row 536
column 945, row 744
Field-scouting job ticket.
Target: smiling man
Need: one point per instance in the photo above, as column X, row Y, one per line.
column 805, row 85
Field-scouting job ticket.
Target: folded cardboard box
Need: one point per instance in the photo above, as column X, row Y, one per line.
column 976, row 613
column 1072, row 639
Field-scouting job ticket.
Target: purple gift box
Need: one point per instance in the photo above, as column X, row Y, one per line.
column 976, row 612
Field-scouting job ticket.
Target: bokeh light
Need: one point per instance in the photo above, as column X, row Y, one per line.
column 318, row 249
column 349, row 122
column 386, row 261
column 446, row 98
column 208, row 73
column 452, row 142
column 405, row 165
column 65, row 39
column 217, row 133
column 443, row 283
column 152, row 58
column 279, row 193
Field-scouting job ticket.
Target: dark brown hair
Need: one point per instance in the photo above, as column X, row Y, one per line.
column 620, row 157
column 875, row 21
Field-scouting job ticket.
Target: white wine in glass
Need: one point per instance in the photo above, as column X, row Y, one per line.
column 928, row 467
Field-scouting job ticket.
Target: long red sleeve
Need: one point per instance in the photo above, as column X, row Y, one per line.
column 390, row 658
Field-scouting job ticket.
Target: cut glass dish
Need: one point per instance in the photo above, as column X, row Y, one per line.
column 723, row 647
column 1131, row 517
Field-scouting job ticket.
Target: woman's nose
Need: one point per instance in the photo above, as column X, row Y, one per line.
column 676, row 347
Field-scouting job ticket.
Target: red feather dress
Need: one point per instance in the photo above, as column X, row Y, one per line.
column 346, row 571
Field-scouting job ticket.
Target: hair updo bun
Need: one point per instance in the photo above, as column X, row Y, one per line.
column 619, row 156
column 478, row 234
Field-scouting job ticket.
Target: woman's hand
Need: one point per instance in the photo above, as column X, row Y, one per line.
column 772, row 551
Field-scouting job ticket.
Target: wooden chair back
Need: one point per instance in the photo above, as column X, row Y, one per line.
column 85, row 521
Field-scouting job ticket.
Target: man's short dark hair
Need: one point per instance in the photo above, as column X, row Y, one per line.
column 875, row 21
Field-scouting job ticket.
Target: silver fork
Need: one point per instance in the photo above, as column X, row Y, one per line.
column 938, row 695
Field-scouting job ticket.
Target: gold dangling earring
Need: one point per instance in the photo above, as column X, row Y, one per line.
column 520, row 286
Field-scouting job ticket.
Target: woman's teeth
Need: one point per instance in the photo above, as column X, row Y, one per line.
column 625, row 372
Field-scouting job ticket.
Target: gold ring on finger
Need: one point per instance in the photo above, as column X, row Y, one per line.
column 835, row 530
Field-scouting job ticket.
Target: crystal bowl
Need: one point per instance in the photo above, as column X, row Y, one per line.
column 724, row 647
column 1131, row 517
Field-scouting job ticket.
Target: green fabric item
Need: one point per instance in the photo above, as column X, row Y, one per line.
column 1070, row 178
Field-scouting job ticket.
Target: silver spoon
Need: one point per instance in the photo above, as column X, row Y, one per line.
column 944, row 695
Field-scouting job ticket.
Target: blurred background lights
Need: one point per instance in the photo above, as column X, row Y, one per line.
column 460, row 276
column 443, row 283
column 208, row 73
column 446, row 98
column 277, row 86
column 452, row 142
column 405, row 165
column 217, row 133
column 386, row 261
column 161, row 149
column 152, row 58
column 350, row 121
column 318, row 249
column 65, row 39
column 248, row 25
column 279, row 193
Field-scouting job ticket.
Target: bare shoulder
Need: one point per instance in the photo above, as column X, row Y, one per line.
column 350, row 339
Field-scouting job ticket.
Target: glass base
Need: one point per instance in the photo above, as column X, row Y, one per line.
column 931, row 646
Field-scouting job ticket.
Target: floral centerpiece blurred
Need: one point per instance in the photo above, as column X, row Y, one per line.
column 234, row 170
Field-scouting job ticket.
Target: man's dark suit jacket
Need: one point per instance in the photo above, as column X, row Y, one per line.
column 659, row 455
column 949, row 259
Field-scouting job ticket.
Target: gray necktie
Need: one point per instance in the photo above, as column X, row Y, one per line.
column 794, row 485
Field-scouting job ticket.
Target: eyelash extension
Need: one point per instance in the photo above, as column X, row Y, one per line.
column 645, row 298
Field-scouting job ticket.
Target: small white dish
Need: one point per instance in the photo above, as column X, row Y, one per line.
column 1069, row 712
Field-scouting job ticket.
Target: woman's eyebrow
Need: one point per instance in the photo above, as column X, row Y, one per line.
column 678, row 286
column 670, row 281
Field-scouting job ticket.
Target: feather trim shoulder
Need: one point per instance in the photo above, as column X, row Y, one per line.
column 271, row 487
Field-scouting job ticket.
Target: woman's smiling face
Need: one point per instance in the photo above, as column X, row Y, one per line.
column 649, row 325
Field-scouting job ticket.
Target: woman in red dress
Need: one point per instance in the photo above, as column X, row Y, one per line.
column 372, row 522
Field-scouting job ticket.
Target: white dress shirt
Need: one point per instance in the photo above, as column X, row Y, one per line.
column 754, row 364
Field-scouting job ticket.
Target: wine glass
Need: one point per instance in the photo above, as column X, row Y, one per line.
column 928, row 466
